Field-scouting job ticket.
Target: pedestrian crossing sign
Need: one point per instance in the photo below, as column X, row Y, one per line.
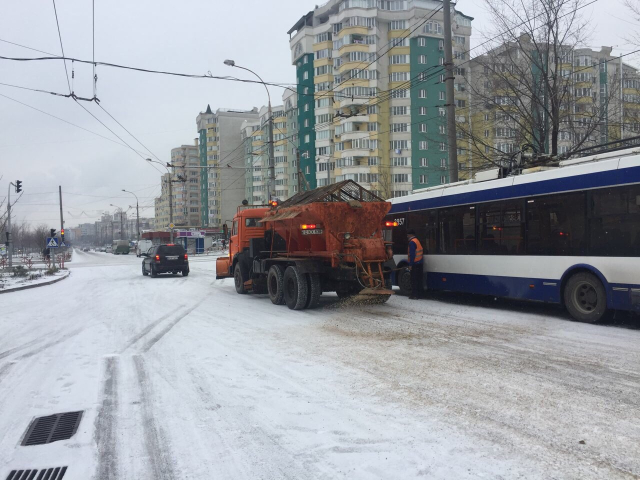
column 52, row 242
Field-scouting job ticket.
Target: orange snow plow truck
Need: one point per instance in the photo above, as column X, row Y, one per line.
column 323, row 240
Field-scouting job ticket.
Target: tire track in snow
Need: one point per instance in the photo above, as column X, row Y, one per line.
column 53, row 343
column 105, row 432
column 4, row 370
column 147, row 346
column 6, row 353
column 154, row 438
column 148, row 328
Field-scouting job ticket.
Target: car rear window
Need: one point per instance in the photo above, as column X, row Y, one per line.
column 170, row 250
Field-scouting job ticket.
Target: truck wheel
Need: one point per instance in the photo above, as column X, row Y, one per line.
column 404, row 281
column 275, row 284
column 315, row 290
column 585, row 298
column 238, row 279
column 296, row 288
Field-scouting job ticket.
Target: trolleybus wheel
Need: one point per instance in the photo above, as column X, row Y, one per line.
column 585, row 298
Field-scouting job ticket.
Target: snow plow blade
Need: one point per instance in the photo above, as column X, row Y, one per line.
column 371, row 296
column 372, row 291
column 222, row 268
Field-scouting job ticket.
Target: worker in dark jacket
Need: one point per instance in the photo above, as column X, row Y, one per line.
column 415, row 255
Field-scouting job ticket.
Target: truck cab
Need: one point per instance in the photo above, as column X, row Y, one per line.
column 246, row 225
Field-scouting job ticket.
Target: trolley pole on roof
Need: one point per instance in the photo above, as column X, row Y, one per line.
column 450, row 91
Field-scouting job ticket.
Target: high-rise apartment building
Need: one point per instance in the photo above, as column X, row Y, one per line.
column 222, row 178
column 187, row 193
column 162, row 205
column 255, row 138
column 599, row 100
column 371, row 93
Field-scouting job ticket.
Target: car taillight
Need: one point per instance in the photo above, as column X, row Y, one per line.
column 310, row 226
column 186, row 257
column 390, row 224
column 157, row 258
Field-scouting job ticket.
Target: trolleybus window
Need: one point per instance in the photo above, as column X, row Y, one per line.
column 556, row 225
column 615, row 222
column 501, row 228
column 457, row 230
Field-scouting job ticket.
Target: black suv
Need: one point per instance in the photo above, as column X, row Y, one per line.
column 165, row 259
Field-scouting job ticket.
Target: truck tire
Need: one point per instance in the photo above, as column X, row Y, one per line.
column 585, row 298
column 404, row 281
column 296, row 288
column 315, row 290
column 238, row 280
column 275, row 284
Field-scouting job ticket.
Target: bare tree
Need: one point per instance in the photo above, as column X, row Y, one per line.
column 634, row 8
column 533, row 86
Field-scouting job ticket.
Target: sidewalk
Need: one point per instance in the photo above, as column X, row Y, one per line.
column 10, row 283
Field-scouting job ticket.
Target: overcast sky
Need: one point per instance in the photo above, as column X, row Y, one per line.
column 191, row 36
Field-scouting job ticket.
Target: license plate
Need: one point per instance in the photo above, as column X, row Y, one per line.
column 172, row 258
column 317, row 231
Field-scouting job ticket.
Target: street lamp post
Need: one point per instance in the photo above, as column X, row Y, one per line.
column 170, row 197
column 137, row 213
column 272, row 177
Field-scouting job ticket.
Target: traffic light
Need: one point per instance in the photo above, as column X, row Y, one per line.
column 18, row 186
column 62, row 234
column 52, row 232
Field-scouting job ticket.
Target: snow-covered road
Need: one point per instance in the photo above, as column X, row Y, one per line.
column 181, row 378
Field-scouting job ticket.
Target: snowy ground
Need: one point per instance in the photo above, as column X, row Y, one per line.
column 181, row 378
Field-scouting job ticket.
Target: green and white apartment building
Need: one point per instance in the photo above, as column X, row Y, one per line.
column 255, row 138
column 371, row 97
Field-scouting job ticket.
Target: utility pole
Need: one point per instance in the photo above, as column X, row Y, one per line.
column 61, row 216
column 450, row 92
column 9, row 232
column 272, row 168
column 170, row 209
column 299, row 170
column 621, row 103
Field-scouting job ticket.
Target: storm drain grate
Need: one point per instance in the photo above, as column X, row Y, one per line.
column 46, row 474
column 53, row 428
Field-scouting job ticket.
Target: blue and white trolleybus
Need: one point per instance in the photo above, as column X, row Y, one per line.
column 568, row 235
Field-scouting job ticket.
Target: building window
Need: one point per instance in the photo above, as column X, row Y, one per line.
column 424, row 179
column 424, row 162
column 423, row 145
column 443, row 147
column 305, row 76
column 422, row 110
column 307, row 138
column 423, row 93
column 422, row 42
column 442, row 95
column 443, row 180
column 423, row 128
column 443, row 163
column 422, row 59
column 486, row 133
column 306, row 107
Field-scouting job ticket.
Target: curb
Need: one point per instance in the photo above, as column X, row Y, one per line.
column 43, row 284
